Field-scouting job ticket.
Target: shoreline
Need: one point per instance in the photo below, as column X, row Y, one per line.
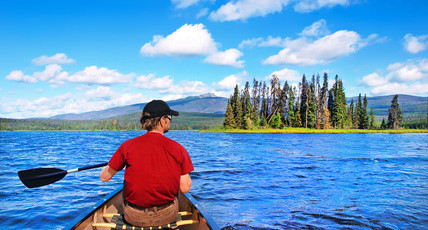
column 319, row 131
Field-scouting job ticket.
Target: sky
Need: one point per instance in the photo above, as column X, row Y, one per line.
column 75, row 56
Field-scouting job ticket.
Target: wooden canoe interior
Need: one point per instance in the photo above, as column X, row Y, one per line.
column 115, row 205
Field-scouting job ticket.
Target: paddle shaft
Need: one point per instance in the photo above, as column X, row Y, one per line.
column 43, row 176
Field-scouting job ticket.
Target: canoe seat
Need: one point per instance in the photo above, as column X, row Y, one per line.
column 117, row 222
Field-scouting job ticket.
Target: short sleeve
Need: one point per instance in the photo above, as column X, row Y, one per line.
column 117, row 161
column 186, row 164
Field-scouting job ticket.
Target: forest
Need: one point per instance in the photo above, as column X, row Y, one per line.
column 310, row 104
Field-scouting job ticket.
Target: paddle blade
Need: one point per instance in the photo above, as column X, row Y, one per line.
column 33, row 178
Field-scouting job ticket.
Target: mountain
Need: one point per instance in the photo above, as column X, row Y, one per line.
column 410, row 105
column 207, row 103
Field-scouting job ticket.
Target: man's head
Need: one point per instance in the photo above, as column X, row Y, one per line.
column 157, row 113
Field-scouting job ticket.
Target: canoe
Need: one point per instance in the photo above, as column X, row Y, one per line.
column 105, row 215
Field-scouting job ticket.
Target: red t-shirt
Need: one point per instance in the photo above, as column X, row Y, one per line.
column 154, row 164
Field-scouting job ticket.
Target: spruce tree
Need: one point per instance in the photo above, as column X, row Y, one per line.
column 276, row 121
column 364, row 119
column 290, row 113
column 383, row 124
column 298, row 117
column 229, row 120
column 357, row 115
column 395, row 116
column 372, row 120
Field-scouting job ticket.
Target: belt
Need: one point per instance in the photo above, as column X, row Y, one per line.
column 154, row 208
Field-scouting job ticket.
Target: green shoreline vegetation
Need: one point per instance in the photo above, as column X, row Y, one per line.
column 320, row 131
column 310, row 107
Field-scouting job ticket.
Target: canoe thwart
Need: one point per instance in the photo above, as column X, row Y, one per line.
column 118, row 223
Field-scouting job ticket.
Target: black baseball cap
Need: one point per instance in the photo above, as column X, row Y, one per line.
column 158, row 108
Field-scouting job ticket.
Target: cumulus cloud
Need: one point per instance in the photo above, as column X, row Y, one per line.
column 18, row 75
column 303, row 51
column 244, row 9
column 286, row 75
column 151, row 82
column 69, row 103
column 95, row 75
column 51, row 71
column 399, row 78
column 228, row 58
column 414, row 45
column 188, row 40
column 229, row 82
column 59, row 58
column 187, row 88
column 101, row 92
column 307, row 6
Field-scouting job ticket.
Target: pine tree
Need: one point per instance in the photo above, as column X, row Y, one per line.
column 351, row 114
column 357, row 116
column 372, row 122
column 364, row 119
column 395, row 116
column 263, row 122
column 298, row 117
column 290, row 113
column 383, row 124
column 339, row 105
column 276, row 121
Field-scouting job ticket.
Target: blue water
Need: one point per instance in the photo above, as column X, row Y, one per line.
column 246, row 181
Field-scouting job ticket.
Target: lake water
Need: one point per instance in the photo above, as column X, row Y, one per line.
column 245, row 181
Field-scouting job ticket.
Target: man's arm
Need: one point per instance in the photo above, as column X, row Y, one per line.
column 185, row 183
column 107, row 173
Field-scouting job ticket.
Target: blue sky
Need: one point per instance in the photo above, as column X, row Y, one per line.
column 75, row 56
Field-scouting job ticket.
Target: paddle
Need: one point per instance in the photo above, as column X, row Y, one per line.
column 37, row 177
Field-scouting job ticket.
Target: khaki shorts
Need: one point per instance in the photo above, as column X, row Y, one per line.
column 151, row 217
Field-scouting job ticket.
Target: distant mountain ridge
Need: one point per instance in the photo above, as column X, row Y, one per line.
column 207, row 103
column 210, row 103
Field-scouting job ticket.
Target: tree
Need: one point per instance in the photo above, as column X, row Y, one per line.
column 298, row 120
column 383, row 124
column 290, row 113
column 395, row 116
column 276, row 121
column 364, row 119
column 357, row 114
column 325, row 123
column 339, row 104
column 372, row 122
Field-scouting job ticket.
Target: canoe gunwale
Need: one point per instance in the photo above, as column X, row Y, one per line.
column 81, row 218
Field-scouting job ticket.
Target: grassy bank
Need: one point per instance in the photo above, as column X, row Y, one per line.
column 303, row 130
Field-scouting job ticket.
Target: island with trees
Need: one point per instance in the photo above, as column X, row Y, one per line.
column 307, row 107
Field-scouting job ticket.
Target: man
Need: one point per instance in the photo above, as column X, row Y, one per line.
column 156, row 169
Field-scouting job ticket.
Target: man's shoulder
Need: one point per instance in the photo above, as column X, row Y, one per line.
column 171, row 142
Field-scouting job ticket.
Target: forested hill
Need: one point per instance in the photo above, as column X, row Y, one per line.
column 411, row 106
column 207, row 103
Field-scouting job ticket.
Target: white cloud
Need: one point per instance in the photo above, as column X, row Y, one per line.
column 187, row 88
column 400, row 78
column 102, row 92
column 18, row 75
column 95, row 75
column 262, row 42
column 374, row 80
column 228, row 82
column 227, row 58
column 184, row 3
column 151, row 82
column 317, row 29
column 188, row 40
column 304, row 51
column 51, row 71
column 286, row 75
column 401, row 88
column 306, row 6
column 68, row 103
column 202, row 13
column 414, row 44
column 244, row 9
column 59, row 58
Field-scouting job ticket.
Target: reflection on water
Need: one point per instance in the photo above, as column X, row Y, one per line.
column 245, row 181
